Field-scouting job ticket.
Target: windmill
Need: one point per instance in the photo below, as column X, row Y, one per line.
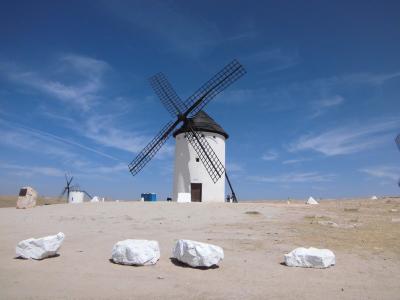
column 184, row 113
column 67, row 188
column 74, row 193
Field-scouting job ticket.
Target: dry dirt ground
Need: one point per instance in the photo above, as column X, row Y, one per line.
column 364, row 235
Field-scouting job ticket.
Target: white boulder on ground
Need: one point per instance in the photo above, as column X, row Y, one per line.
column 311, row 201
column 136, row 252
column 196, row 254
column 374, row 198
column 310, row 258
column 95, row 199
column 40, row 248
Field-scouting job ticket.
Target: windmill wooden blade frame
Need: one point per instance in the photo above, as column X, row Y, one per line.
column 206, row 154
column 168, row 97
column 184, row 112
column 152, row 148
column 219, row 82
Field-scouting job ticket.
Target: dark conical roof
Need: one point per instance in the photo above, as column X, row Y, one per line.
column 202, row 122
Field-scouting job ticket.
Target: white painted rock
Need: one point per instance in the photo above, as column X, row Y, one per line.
column 374, row 198
column 310, row 258
column 40, row 248
column 311, row 201
column 196, row 254
column 136, row 252
column 95, row 199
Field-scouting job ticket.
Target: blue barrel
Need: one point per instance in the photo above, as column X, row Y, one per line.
column 149, row 196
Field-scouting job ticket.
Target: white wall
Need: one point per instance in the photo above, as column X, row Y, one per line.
column 76, row 197
column 187, row 170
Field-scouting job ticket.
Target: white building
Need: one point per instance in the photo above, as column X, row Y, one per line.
column 76, row 197
column 190, row 175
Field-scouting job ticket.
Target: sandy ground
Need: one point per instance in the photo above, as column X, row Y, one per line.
column 366, row 241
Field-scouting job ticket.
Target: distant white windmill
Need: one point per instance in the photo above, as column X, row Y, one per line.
column 74, row 193
column 199, row 139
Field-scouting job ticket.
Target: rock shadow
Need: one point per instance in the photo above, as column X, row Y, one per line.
column 136, row 266
column 23, row 258
column 183, row 265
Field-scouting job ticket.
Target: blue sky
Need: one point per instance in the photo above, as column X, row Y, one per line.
column 316, row 114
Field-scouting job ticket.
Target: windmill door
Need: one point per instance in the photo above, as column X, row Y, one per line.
column 195, row 189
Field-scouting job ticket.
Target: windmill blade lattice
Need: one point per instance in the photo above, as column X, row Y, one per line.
column 167, row 94
column 206, row 154
column 219, row 82
column 182, row 111
column 152, row 148
column 398, row 142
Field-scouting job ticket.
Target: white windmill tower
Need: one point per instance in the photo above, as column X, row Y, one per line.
column 190, row 177
column 199, row 139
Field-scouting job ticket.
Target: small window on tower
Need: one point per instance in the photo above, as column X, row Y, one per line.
column 197, row 159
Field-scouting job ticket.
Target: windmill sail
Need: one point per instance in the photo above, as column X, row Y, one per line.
column 206, row 154
column 67, row 188
column 219, row 82
column 182, row 112
column 152, row 148
column 167, row 94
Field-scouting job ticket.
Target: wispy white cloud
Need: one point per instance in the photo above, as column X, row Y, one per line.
column 272, row 60
column 384, row 172
column 29, row 171
column 348, row 139
column 371, row 78
column 318, row 95
column 270, row 155
column 103, row 130
column 294, row 161
column 322, row 105
column 233, row 167
column 176, row 28
column 25, row 138
column 300, row 177
column 237, row 96
column 180, row 32
column 100, row 170
column 87, row 169
column 86, row 72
